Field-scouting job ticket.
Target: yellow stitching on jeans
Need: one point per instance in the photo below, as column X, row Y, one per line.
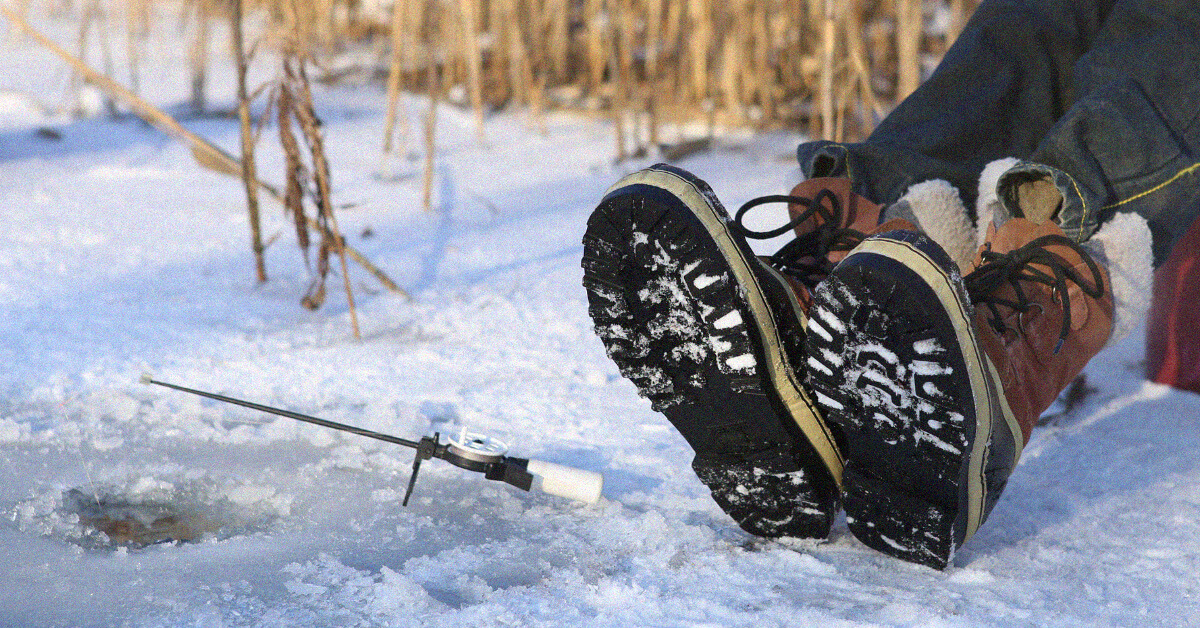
column 1082, row 201
column 1156, row 188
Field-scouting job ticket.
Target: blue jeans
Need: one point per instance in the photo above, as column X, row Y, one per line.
column 1100, row 97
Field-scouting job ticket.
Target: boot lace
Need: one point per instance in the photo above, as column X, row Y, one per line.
column 1017, row 267
column 804, row 258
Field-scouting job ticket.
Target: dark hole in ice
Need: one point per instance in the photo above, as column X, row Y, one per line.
column 132, row 515
column 126, row 522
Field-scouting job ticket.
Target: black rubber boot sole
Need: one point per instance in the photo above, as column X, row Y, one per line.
column 893, row 362
column 709, row 335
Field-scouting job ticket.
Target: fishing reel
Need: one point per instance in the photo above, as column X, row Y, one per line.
column 470, row 451
column 484, row 454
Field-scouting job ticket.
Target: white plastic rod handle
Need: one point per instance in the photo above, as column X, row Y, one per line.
column 555, row 479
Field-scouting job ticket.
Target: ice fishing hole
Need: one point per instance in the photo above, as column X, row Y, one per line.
column 142, row 512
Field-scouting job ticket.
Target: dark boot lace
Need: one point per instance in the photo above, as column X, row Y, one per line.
column 1016, row 267
column 804, row 258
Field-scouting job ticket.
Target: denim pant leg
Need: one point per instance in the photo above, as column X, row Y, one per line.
column 1131, row 140
column 999, row 89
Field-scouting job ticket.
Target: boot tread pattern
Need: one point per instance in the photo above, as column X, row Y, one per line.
column 884, row 363
column 673, row 318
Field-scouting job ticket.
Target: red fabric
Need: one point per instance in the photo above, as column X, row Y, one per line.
column 1173, row 326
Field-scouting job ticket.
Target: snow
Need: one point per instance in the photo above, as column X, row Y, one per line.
column 120, row 256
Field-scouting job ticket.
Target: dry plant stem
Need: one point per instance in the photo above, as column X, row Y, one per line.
column 395, row 69
column 137, row 20
column 473, row 59
column 198, row 55
column 206, row 153
column 316, row 144
column 433, row 34
column 81, row 37
column 701, row 22
column 597, row 58
column 909, row 28
column 249, row 176
column 858, row 59
column 627, row 26
column 646, row 62
column 432, row 77
column 559, row 39
column 537, row 103
column 654, row 20
column 619, row 78
column 293, row 196
column 518, row 58
column 828, row 53
column 957, row 20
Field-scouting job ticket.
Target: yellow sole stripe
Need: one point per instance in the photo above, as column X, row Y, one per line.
column 983, row 376
column 800, row 406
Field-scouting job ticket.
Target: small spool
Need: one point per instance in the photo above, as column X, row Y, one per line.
column 477, row 447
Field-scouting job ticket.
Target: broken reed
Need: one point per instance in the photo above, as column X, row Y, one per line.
column 308, row 181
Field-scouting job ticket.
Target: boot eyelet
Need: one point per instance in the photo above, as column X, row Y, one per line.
column 1028, row 315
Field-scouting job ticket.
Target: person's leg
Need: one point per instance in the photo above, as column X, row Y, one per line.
column 1000, row 87
column 940, row 377
column 1131, row 141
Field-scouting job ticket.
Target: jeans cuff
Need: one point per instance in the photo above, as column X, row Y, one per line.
column 1073, row 215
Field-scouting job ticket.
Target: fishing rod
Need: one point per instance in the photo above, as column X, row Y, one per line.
column 470, row 451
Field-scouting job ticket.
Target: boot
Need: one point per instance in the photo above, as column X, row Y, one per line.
column 828, row 219
column 937, row 380
column 713, row 336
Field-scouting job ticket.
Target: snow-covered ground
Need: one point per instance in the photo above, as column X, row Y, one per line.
column 120, row 255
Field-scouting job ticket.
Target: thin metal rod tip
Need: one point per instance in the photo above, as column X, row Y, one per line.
column 147, row 378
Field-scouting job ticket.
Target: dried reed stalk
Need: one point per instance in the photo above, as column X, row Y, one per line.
column 294, row 172
column 137, row 26
column 400, row 47
column 700, row 18
column 909, row 33
column 331, row 236
column 91, row 12
column 472, row 58
column 295, row 92
column 594, row 40
column 622, row 54
column 645, row 63
column 248, row 174
column 653, row 67
column 558, row 38
column 862, row 71
column 198, row 54
column 433, row 77
column 829, row 32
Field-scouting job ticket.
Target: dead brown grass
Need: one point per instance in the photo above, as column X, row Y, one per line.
column 832, row 67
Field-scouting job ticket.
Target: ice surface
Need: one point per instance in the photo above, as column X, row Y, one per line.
column 121, row 255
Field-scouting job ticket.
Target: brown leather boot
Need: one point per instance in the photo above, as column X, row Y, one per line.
column 1036, row 342
column 858, row 217
column 829, row 219
column 936, row 380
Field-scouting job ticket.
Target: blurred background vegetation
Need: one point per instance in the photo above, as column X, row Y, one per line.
column 828, row 68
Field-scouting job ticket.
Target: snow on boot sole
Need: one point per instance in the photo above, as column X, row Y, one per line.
column 709, row 334
column 894, row 362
